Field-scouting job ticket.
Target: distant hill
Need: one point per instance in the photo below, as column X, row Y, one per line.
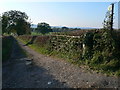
column 35, row 26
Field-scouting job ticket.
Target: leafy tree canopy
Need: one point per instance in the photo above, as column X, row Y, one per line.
column 15, row 22
column 43, row 28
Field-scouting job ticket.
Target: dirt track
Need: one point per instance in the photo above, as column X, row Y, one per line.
column 48, row 72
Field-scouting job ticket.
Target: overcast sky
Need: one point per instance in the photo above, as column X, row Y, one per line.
column 70, row 14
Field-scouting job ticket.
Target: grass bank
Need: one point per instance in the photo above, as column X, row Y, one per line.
column 7, row 43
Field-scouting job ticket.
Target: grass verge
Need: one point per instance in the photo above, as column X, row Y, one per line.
column 7, row 43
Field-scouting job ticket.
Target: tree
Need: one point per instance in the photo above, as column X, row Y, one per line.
column 43, row 28
column 4, row 24
column 15, row 22
column 23, row 27
column 65, row 28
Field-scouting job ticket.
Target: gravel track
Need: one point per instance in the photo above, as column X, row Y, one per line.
column 49, row 72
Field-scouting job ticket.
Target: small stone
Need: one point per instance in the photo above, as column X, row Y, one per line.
column 87, row 82
column 49, row 83
column 28, row 63
column 37, row 81
column 105, row 83
column 32, row 75
column 89, row 85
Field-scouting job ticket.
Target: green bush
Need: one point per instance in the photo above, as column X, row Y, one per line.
column 97, row 58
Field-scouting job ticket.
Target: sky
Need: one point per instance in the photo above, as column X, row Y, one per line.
column 69, row 14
